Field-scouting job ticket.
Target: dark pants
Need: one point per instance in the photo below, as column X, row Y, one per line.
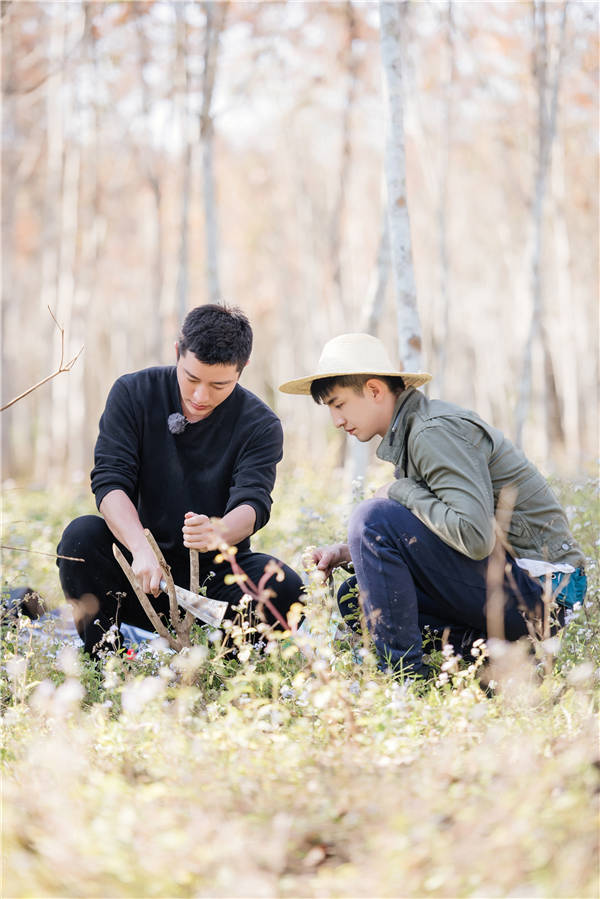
column 100, row 594
column 409, row 579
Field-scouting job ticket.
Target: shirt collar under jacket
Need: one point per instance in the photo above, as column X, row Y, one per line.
column 393, row 443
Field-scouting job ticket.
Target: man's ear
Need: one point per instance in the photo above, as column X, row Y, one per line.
column 374, row 389
column 177, row 350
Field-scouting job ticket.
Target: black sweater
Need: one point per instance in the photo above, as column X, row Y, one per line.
column 211, row 468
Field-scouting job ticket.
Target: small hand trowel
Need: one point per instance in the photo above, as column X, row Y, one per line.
column 211, row 611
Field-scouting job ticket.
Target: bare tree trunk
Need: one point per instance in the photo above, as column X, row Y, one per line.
column 379, row 278
column 184, row 89
column 444, row 266
column 154, row 183
column 359, row 452
column 9, row 301
column 215, row 18
column 69, row 220
column 67, row 393
column 51, row 235
column 568, row 327
column 84, row 387
column 547, row 97
column 337, row 218
column 409, row 327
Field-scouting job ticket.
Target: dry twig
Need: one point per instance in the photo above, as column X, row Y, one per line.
column 37, row 552
column 496, row 599
column 62, row 366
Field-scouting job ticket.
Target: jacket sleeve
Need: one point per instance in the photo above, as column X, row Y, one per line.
column 117, row 452
column 453, row 494
column 254, row 472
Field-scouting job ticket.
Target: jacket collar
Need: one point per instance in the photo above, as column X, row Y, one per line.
column 391, row 447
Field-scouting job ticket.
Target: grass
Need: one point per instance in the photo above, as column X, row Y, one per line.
column 196, row 775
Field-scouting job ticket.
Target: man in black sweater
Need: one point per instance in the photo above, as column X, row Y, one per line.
column 190, row 454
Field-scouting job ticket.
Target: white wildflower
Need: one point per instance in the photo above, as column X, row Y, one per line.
column 68, row 661
column 137, row 695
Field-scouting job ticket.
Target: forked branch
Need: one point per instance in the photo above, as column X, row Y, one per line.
column 62, row 366
column 173, row 607
column 160, row 628
column 181, row 624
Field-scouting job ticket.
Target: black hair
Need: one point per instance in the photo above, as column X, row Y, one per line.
column 322, row 387
column 217, row 335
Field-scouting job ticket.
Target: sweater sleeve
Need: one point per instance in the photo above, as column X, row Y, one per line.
column 254, row 471
column 117, row 452
column 453, row 496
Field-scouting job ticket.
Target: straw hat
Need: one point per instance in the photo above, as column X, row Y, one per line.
column 354, row 354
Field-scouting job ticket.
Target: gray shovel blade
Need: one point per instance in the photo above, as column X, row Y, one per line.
column 211, row 611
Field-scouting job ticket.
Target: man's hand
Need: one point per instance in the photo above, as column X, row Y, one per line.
column 147, row 570
column 326, row 558
column 122, row 518
column 202, row 533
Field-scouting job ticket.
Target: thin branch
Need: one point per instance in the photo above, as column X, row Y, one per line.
column 496, row 599
column 37, row 552
column 62, row 366
column 259, row 593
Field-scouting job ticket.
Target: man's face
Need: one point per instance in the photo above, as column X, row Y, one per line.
column 362, row 415
column 203, row 387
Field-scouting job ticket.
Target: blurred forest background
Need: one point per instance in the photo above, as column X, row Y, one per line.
column 158, row 155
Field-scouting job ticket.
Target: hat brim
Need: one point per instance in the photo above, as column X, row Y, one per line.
column 301, row 386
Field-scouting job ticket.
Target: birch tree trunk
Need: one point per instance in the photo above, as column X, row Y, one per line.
column 380, row 276
column 570, row 333
column 547, row 102
column 215, row 19
column 85, row 389
column 444, row 265
column 69, row 220
column 55, row 113
column 359, row 452
column 67, row 393
column 184, row 89
column 154, row 183
column 9, row 305
column 337, row 218
column 409, row 329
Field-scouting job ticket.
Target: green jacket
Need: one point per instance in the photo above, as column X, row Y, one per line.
column 450, row 469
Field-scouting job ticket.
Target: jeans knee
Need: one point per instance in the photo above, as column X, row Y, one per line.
column 368, row 515
column 81, row 532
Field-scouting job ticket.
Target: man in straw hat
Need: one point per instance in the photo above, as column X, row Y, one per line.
column 421, row 546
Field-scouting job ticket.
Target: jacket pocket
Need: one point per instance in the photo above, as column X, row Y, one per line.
column 520, row 536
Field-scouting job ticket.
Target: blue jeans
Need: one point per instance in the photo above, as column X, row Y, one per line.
column 408, row 578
